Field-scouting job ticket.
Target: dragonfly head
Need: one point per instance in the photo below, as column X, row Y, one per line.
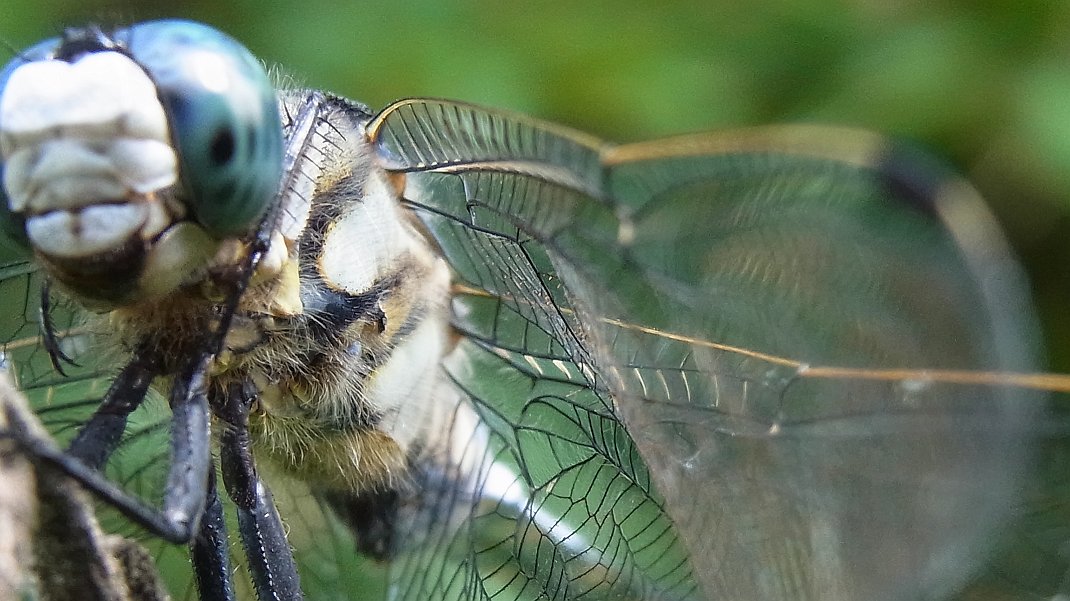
column 129, row 157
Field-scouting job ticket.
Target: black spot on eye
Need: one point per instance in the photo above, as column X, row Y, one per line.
column 914, row 177
column 222, row 147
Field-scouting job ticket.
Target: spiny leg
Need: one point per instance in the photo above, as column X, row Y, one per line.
column 100, row 435
column 191, row 448
column 187, row 479
column 48, row 331
column 271, row 562
column 209, row 551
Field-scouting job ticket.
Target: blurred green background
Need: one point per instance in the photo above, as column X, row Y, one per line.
column 985, row 84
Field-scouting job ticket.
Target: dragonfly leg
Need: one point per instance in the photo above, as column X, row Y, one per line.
column 187, row 481
column 48, row 331
column 271, row 561
column 98, row 437
column 209, row 551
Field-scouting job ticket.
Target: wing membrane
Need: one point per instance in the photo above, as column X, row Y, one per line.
column 613, row 268
column 830, row 261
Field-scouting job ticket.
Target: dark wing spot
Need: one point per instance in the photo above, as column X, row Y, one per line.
column 914, row 177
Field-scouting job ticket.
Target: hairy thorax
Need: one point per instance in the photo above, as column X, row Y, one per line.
column 341, row 332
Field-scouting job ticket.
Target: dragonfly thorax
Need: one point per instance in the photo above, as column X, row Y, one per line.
column 342, row 336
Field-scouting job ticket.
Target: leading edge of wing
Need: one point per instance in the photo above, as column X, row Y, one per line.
column 430, row 134
column 904, row 165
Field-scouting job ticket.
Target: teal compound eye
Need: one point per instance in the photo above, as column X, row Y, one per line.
column 224, row 120
column 222, row 113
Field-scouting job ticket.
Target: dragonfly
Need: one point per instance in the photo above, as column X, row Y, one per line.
column 486, row 357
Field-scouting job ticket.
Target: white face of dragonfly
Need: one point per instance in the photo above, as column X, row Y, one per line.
column 128, row 165
column 88, row 162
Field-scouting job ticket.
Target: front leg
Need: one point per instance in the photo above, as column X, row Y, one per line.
column 210, row 553
column 98, row 438
column 271, row 562
column 187, row 479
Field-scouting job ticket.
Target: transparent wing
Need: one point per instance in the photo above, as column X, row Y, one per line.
column 741, row 366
